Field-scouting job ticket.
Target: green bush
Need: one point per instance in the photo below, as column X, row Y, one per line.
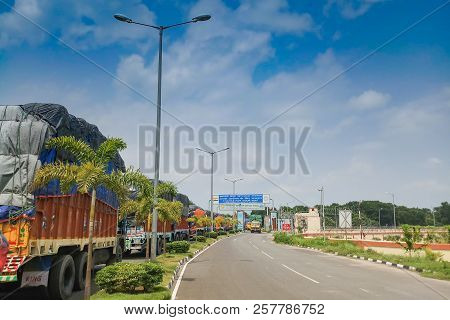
column 392, row 238
column 283, row 237
column 212, row 234
column 222, row 233
column 200, row 238
column 178, row 247
column 232, row 232
column 126, row 277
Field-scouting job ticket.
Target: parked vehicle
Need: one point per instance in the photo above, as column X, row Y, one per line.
column 46, row 232
column 49, row 248
column 135, row 239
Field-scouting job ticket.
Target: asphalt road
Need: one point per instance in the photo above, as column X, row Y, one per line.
column 252, row 266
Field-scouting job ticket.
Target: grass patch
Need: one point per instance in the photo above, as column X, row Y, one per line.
column 432, row 268
column 159, row 293
column 169, row 262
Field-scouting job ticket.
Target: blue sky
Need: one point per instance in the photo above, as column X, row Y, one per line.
column 382, row 126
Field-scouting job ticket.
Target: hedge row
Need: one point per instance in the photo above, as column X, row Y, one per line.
column 126, row 277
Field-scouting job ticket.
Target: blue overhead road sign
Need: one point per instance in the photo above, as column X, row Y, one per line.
column 240, row 198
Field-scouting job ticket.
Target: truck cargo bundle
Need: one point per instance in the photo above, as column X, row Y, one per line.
column 46, row 232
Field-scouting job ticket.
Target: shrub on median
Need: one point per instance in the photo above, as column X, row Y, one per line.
column 212, row 235
column 222, row 233
column 178, row 247
column 232, row 232
column 127, row 277
column 200, row 239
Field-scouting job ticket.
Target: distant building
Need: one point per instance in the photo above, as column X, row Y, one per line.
column 307, row 222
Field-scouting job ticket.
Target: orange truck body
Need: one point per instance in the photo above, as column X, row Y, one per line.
column 60, row 222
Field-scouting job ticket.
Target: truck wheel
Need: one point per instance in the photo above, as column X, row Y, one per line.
column 115, row 257
column 62, row 278
column 160, row 246
column 80, row 260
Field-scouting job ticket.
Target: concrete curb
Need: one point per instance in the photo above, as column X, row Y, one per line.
column 183, row 261
column 388, row 263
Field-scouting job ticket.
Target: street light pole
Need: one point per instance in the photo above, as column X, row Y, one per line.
column 233, row 181
column 212, row 153
column 379, row 217
column 393, row 206
column 434, row 217
column 323, row 211
column 126, row 19
column 360, row 222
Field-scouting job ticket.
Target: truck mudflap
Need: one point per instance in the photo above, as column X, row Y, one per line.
column 9, row 272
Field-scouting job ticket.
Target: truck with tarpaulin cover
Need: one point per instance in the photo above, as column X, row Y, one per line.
column 136, row 237
column 44, row 234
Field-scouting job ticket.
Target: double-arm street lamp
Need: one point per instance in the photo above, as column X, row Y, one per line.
column 212, row 153
column 233, row 181
column 161, row 29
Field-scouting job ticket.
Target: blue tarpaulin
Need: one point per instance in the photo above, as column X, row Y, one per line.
column 7, row 212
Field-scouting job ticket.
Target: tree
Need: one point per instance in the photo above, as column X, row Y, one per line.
column 168, row 212
column 86, row 175
column 219, row 222
column 201, row 221
column 142, row 204
column 411, row 235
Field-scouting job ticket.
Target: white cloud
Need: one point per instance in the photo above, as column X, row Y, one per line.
column 351, row 9
column 336, row 36
column 423, row 116
column 85, row 25
column 274, row 16
column 15, row 30
column 433, row 162
column 369, row 99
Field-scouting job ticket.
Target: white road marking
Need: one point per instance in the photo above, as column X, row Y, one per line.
column 255, row 247
column 266, row 254
column 180, row 276
column 302, row 275
column 366, row 291
column 234, row 239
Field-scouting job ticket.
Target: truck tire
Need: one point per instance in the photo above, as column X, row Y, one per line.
column 80, row 260
column 160, row 246
column 62, row 278
column 115, row 257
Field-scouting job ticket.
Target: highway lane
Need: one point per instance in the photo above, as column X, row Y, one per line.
column 252, row 266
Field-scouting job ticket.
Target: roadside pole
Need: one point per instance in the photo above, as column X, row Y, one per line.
column 360, row 223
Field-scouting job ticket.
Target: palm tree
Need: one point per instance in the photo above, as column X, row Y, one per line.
column 142, row 205
column 86, row 175
column 168, row 212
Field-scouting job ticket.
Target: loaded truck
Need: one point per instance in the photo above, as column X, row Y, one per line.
column 255, row 226
column 135, row 238
column 45, row 233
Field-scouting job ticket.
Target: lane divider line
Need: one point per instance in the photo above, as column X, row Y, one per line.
column 302, row 275
column 267, row 255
